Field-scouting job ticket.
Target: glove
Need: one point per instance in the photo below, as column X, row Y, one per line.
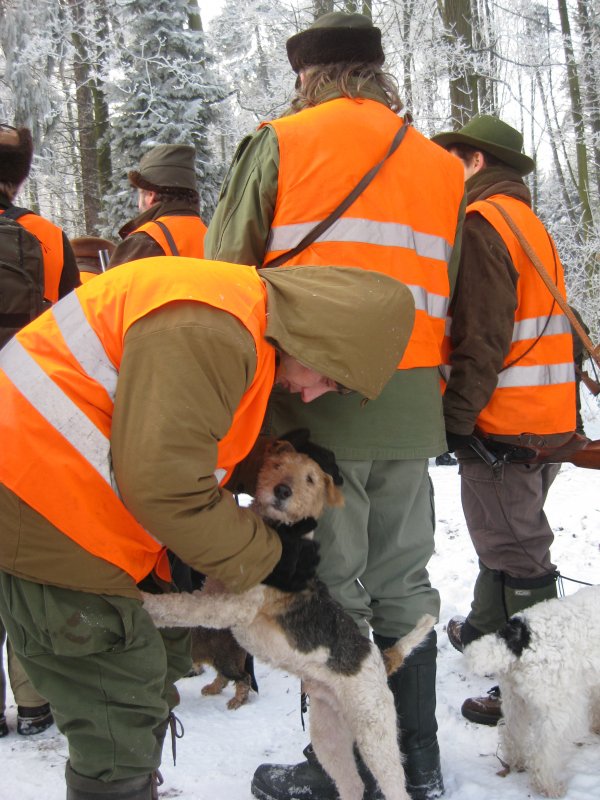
column 299, row 439
column 299, row 557
column 457, row 441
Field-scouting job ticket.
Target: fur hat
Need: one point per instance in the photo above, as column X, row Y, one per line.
column 491, row 135
column 166, row 166
column 16, row 153
column 334, row 38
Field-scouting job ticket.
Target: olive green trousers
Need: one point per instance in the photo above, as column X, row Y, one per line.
column 107, row 672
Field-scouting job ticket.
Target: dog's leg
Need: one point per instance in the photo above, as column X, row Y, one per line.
column 242, row 692
column 370, row 710
column 333, row 744
column 216, row 686
column 515, row 732
column 190, row 609
column 556, row 722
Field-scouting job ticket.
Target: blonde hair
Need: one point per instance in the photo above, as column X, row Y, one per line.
column 348, row 78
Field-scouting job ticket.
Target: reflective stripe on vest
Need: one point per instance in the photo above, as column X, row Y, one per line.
column 403, row 223
column 536, row 393
column 187, row 231
column 58, row 380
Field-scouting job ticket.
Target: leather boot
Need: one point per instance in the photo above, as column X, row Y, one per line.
column 413, row 687
column 307, row 780
column 81, row 788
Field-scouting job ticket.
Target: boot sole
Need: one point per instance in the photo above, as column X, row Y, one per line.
column 261, row 795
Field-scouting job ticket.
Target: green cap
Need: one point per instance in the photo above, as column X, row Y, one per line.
column 166, row 166
column 493, row 136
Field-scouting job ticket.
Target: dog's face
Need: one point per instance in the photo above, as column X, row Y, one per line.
column 291, row 486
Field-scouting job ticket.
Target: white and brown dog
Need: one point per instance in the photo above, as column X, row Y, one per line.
column 547, row 662
column 309, row 635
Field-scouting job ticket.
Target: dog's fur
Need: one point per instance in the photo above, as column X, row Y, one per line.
column 547, row 662
column 308, row 634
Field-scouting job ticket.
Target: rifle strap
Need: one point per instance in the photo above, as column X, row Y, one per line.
column 592, row 349
column 326, row 223
column 168, row 237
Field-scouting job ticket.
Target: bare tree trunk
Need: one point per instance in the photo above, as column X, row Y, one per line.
column 458, row 24
column 590, row 42
column 577, row 117
column 85, row 122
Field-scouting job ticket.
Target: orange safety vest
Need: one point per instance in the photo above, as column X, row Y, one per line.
column 536, row 386
column 403, row 223
column 187, row 231
column 50, row 238
column 58, row 379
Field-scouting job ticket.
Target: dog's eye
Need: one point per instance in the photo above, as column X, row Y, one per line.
column 310, row 479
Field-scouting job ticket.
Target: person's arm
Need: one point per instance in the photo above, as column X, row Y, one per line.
column 239, row 230
column 69, row 277
column 483, row 312
column 184, row 370
column 136, row 245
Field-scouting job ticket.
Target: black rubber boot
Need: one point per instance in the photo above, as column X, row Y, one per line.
column 306, row 780
column 81, row 788
column 33, row 720
column 413, row 687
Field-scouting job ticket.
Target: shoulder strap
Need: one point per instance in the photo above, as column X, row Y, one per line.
column 322, row 226
column 14, row 212
column 593, row 350
column 168, row 237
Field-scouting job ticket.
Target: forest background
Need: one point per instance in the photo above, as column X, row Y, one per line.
column 101, row 81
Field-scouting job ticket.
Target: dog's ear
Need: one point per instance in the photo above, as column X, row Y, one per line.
column 279, row 446
column 333, row 493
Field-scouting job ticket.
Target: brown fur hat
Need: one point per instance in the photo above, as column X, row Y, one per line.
column 86, row 250
column 334, row 38
column 16, row 153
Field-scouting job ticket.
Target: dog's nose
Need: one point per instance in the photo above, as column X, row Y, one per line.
column 282, row 491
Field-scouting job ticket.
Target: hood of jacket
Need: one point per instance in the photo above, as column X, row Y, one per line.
column 349, row 324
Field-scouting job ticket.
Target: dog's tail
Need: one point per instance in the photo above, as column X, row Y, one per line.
column 395, row 655
column 497, row 652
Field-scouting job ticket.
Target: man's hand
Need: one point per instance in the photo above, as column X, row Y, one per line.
column 299, row 557
column 458, row 441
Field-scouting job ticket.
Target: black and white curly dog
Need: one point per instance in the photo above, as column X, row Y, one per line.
column 547, row 662
column 308, row 634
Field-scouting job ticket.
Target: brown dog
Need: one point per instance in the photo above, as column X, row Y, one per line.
column 220, row 650
column 308, row 634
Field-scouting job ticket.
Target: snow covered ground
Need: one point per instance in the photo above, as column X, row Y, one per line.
column 221, row 748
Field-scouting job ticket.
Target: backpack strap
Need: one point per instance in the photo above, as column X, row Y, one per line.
column 168, row 236
column 15, row 212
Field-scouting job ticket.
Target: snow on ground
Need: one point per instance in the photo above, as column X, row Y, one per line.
column 221, row 749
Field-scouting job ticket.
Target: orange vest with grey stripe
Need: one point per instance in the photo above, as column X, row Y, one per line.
column 404, row 222
column 50, row 238
column 536, row 387
column 186, row 232
column 58, row 379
